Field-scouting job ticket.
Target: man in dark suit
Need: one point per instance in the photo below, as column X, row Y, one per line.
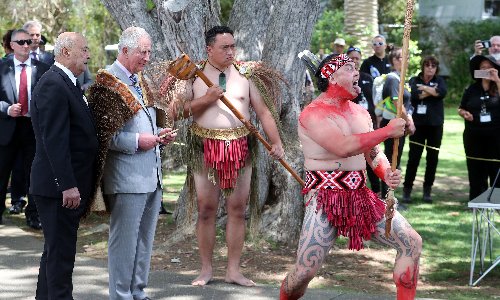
column 63, row 171
column 18, row 76
column 34, row 28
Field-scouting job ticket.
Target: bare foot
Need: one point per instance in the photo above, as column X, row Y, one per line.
column 203, row 279
column 238, row 278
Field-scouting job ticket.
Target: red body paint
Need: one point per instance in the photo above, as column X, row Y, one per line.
column 406, row 284
column 381, row 169
column 334, row 102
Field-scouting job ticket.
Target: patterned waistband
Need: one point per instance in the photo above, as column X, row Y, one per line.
column 331, row 180
column 225, row 134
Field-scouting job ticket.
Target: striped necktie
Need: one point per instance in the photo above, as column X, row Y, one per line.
column 135, row 84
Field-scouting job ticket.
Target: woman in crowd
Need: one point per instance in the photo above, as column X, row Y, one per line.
column 480, row 108
column 427, row 94
column 387, row 108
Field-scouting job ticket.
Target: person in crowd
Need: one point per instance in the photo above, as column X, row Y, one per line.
column 493, row 47
column 378, row 63
column 365, row 99
column 339, row 45
column 428, row 90
column 34, row 28
column 387, row 108
column 17, row 188
column 480, row 109
column 63, row 170
column 214, row 127
column 131, row 173
column 7, row 49
column 18, row 76
column 85, row 80
column 338, row 140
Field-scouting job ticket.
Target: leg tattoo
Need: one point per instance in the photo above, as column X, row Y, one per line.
column 408, row 245
column 316, row 239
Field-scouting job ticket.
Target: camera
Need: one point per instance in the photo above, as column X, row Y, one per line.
column 486, row 43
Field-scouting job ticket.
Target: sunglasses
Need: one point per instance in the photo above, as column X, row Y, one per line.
column 22, row 42
column 350, row 49
column 378, row 44
column 431, row 65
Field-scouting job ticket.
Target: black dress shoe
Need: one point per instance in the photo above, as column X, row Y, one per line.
column 34, row 222
column 147, row 298
column 17, row 208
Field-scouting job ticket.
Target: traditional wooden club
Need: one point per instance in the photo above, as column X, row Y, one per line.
column 183, row 68
column 389, row 211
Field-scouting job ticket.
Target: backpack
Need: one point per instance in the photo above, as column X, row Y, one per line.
column 378, row 88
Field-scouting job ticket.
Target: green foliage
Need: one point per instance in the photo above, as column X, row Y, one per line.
column 415, row 59
column 457, row 45
column 329, row 26
column 225, row 10
column 150, row 5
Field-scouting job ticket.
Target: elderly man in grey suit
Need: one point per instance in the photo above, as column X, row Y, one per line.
column 132, row 175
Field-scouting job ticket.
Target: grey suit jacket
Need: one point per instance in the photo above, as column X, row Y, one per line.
column 128, row 169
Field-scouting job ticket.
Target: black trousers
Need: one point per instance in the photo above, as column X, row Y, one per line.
column 22, row 143
column 18, row 179
column 388, row 147
column 484, row 145
column 60, row 226
column 424, row 135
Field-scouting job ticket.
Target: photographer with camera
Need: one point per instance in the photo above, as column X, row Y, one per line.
column 493, row 46
column 480, row 109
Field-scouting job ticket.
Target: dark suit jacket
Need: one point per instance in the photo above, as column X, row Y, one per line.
column 46, row 57
column 66, row 138
column 9, row 96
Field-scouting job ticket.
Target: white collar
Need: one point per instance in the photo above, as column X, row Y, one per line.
column 66, row 71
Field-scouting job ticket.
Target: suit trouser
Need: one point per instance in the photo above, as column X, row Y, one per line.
column 22, row 143
column 433, row 135
column 486, row 145
column 131, row 235
column 388, row 149
column 60, row 226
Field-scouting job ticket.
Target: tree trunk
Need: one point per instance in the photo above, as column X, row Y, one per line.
column 271, row 30
column 361, row 20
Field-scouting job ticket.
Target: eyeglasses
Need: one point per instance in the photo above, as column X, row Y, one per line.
column 22, row 42
column 431, row 65
column 377, row 44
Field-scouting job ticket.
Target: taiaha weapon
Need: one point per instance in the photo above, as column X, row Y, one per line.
column 183, row 68
column 391, row 200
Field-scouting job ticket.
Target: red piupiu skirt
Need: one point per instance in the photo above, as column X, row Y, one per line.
column 351, row 207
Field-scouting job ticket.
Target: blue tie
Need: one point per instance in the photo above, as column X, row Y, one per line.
column 136, row 85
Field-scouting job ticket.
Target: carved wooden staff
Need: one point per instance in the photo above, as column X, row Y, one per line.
column 183, row 68
column 389, row 212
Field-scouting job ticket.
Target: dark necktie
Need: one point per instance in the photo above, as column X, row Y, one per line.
column 23, row 90
column 136, row 85
column 78, row 86
column 34, row 55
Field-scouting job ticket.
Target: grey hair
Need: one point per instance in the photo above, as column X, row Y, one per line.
column 63, row 41
column 130, row 38
column 32, row 23
column 379, row 36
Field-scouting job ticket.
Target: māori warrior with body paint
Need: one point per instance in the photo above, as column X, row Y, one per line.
column 337, row 139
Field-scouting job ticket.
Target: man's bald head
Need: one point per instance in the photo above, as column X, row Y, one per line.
column 71, row 50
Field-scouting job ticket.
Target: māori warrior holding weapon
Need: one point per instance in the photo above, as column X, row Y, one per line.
column 338, row 139
column 218, row 144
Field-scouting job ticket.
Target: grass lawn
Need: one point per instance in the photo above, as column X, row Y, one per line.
column 446, row 225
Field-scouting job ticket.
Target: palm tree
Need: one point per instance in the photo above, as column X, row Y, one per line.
column 361, row 21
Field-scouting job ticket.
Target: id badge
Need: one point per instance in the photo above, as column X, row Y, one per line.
column 485, row 117
column 364, row 103
column 421, row 109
